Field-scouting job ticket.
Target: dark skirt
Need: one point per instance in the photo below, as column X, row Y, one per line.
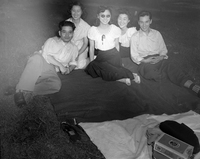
column 108, row 66
column 124, row 51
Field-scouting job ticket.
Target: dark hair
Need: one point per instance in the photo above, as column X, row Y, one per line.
column 102, row 9
column 76, row 3
column 66, row 23
column 145, row 13
column 124, row 11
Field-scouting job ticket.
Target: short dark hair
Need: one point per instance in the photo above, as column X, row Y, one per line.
column 66, row 23
column 145, row 13
column 124, row 11
column 103, row 8
column 76, row 3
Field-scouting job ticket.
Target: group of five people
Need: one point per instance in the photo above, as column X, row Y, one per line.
column 106, row 44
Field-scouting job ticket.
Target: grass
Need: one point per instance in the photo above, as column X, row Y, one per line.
column 33, row 132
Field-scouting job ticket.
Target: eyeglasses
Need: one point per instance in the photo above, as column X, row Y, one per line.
column 107, row 16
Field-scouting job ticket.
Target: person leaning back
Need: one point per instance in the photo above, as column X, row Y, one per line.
column 149, row 51
column 40, row 74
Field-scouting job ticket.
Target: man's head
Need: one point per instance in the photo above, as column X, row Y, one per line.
column 144, row 21
column 66, row 30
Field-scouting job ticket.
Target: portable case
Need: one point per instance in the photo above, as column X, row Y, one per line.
column 168, row 147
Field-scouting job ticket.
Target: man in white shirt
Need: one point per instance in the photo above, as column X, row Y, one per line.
column 149, row 51
column 40, row 74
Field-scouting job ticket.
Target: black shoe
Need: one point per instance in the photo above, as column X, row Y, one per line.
column 19, row 99
column 71, row 131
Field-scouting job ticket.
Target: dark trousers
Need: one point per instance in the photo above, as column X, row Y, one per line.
column 108, row 66
column 163, row 70
column 124, row 51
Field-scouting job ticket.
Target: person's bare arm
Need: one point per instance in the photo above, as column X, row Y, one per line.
column 117, row 43
column 84, row 46
column 91, row 50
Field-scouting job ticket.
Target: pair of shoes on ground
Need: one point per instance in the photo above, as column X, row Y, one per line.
column 71, row 131
column 74, row 131
column 22, row 98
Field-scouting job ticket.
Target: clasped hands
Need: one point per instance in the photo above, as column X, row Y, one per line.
column 64, row 70
column 154, row 59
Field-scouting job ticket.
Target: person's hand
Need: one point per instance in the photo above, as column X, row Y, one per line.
column 156, row 59
column 136, row 78
column 153, row 60
column 68, row 71
column 64, row 70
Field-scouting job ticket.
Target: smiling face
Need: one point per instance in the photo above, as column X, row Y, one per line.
column 144, row 23
column 66, row 33
column 76, row 12
column 123, row 20
column 104, row 17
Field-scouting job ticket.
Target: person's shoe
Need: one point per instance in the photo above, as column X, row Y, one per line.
column 71, row 131
column 19, row 99
column 22, row 98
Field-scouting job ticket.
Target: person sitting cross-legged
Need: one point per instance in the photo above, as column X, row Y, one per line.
column 40, row 74
column 149, row 51
column 104, row 41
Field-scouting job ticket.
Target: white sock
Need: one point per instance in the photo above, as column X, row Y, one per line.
column 188, row 83
column 196, row 88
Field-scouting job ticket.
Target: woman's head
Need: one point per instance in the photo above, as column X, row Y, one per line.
column 76, row 10
column 104, row 14
column 66, row 30
column 123, row 18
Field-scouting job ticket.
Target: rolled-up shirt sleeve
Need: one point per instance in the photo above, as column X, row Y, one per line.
column 134, row 50
column 46, row 48
column 162, row 46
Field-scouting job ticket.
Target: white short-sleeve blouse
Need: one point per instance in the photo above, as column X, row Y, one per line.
column 104, row 41
column 125, row 38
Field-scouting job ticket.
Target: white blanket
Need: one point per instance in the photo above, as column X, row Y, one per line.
column 126, row 139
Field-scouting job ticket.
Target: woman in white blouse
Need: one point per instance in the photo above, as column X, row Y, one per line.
column 126, row 32
column 123, row 21
column 80, row 34
column 104, row 40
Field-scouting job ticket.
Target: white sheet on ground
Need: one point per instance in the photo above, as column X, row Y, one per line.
column 126, row 139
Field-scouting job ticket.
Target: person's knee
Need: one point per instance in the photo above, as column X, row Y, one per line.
column 57, row 85
column 149, row 72
column 36, row 58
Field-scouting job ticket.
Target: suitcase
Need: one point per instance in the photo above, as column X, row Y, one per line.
column 168, row 147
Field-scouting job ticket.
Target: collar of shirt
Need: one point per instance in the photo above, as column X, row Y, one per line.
column 62, row 42
column 141, row 33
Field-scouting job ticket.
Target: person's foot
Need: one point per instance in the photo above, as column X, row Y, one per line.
column 192, row 86
column 22, row 98
column 196, row 89
column 136, row 78
column 127, row 81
